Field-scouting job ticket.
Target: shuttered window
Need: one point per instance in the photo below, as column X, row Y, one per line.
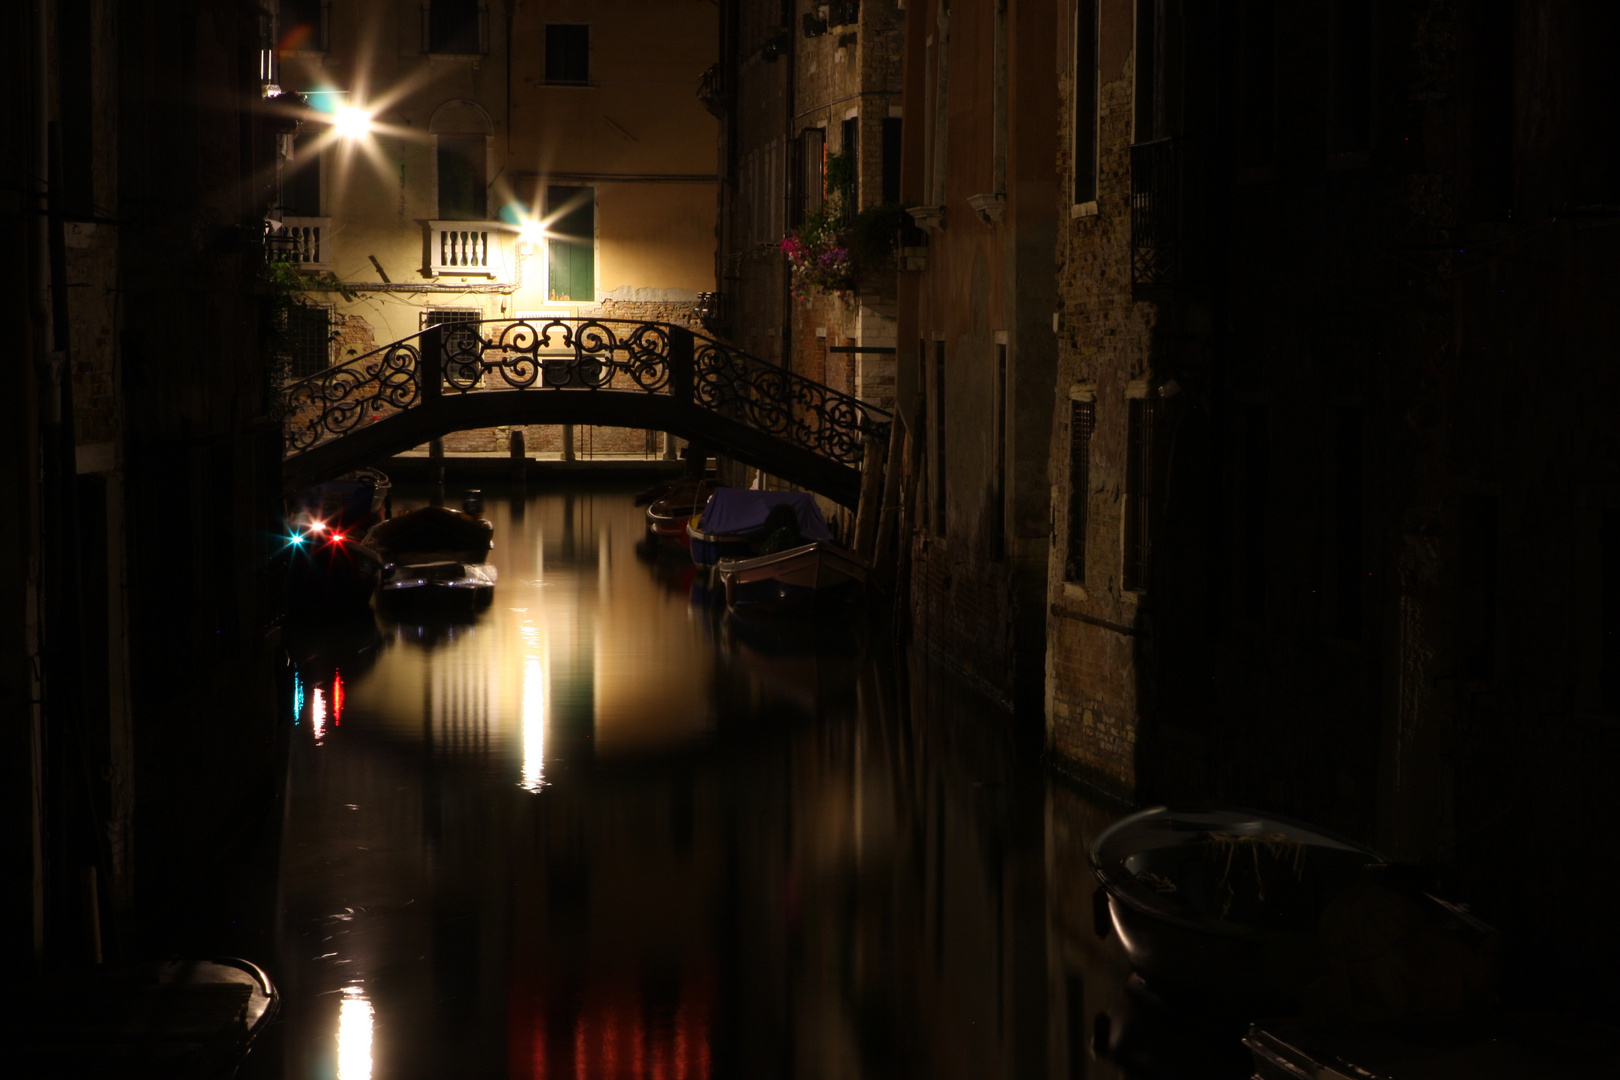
column 571, row 261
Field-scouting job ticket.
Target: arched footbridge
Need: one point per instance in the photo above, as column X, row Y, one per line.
column 611, row 372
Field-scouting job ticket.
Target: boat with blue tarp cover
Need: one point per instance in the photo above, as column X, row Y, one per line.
column 740, row 523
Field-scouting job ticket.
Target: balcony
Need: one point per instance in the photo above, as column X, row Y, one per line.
column 304, row 241
column 1158, row 216
column 467, row 248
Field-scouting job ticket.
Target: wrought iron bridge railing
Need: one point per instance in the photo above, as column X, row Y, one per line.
column 615, row 357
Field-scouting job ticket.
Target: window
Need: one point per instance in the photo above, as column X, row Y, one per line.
column 940, row 486
column 309, row 340
column 1350, row 77
column 462, row 178
column 1085, row 101
column 568, row 54
column 1476, row 582
column 1257, row 82
column 1255, row 456
column 1138, row 489
column 301, row 178
column 571, row 259
column 998, row 432
column 891, row 159
column 851, row 136
column 810, row 175
column 454, row 27
column 1082, row 421
column 1347, row 498
column 301, row 26
column 458, row 343
column 1609, row 612
column 1149, row 63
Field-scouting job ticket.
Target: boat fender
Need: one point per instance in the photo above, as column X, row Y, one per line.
column 1102, row 922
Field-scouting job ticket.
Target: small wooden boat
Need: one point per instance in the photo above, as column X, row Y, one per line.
column 1242, row 907
column 434, row 557
column 811, row 579
column 668, row 514
column 175, row 1019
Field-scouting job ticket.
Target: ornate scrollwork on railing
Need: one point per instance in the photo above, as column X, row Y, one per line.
column 579, row 354
column 774, row 400
column 592, row 354
column 338, row 400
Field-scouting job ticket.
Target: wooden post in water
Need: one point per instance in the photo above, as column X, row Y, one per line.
column 883, row 555
column 869, row 501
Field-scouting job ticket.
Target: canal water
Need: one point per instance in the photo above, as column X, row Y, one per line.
column 602, row 829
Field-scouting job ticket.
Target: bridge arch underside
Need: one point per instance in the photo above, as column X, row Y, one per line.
column 397, row 432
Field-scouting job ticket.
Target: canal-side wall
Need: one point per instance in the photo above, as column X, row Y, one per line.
column 976, row 347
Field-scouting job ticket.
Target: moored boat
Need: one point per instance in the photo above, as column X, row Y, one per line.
column 329, row 567
column 435, row 557
column 1259, row 911
column 739, row 523
column 811, row 579
column 668, row 514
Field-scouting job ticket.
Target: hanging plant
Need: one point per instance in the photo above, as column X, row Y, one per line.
column 835, row 249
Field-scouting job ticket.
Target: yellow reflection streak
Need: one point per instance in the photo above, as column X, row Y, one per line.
column 533, row 709
column 354, row 1036
column 317, row 714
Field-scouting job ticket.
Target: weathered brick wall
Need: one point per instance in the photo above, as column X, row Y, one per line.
column 1104, row 342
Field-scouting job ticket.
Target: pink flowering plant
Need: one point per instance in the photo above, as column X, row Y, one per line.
column 819, row 263
column 835, row 249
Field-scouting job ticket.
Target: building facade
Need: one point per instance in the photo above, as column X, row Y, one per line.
column 976, row 341
column 1333, row 492
column 496, row 159
column 809, row 100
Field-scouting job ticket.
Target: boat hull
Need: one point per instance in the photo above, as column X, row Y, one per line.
column 815, row 578
column 1189, row 923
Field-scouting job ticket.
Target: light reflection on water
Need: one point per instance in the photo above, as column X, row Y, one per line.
column 595, row 832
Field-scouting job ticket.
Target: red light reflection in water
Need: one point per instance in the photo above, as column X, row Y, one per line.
column 613, row 1033
column 337, row 697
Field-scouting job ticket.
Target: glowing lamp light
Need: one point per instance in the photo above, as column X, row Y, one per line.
column 532, row 232
column 319, row 526
column 351, row 122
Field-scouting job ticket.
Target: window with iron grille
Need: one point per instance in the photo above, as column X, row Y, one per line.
column 454, row 27
column 1138, row 492
column 1082, row 421
column 309, row 340
column 458, row 340
column 568, row 54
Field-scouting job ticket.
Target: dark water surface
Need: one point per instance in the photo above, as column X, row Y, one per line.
column 601, row 831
